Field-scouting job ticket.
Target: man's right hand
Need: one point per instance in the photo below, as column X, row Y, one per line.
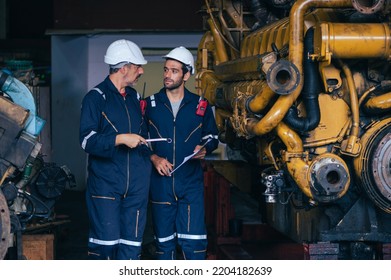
column 129, row 139
column 162, row 165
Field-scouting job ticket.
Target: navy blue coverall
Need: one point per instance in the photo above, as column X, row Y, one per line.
column 178, row 201
column 118, row 177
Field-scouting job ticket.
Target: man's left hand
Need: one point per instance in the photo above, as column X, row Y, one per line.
column 201, row 154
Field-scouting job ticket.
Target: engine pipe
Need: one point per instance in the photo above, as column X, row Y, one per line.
column 351, row 145
column 322, row 179
column 276, row 114
column 310, row 92
column 297, row 167
column 221, row 51
column 344, row 40
column 378, row 104
column 220, row 47
column 258, row 102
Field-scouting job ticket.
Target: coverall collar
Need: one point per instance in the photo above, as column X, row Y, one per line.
column 112, row 87
column 164, row 98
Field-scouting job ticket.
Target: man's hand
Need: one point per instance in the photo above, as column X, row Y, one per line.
column 162, row 165
column 201, row 154
column 129, row 139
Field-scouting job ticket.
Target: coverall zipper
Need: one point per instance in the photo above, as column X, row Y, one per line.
column 173, row 177
column 128, row 152
column 173, row 150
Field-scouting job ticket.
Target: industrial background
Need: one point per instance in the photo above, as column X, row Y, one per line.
column 301, row 93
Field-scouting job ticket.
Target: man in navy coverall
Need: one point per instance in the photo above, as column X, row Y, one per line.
column 177, row 198
column 113, row 132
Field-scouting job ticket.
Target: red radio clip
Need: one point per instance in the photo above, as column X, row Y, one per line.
column 143, row 106
column 201, row 107
column 143, row 103
column 202, row 104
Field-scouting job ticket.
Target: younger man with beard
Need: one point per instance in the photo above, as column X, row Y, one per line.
column 178, row 197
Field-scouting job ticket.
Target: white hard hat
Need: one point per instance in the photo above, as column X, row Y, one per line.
column 182, row 55
column 124, row 51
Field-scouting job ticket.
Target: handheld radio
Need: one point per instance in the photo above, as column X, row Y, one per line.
column 143, row 102
column 202, row 104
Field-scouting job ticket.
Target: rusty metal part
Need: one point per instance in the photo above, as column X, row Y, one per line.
column 283, row 77
column 13, row 112
column 5, row 226
column 329, row 177
column 368, row 7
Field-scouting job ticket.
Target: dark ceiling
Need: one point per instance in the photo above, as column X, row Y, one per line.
column 29, row 23
column 28, row 19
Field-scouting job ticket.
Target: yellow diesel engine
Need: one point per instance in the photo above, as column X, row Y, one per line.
column 302, row 91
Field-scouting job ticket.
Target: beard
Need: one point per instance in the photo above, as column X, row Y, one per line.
column 172, row 86
column 134, row 82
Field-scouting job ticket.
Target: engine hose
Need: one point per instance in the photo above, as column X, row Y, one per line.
column 310, row 92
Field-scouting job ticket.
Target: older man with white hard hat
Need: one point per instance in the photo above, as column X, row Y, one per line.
column 112, row 133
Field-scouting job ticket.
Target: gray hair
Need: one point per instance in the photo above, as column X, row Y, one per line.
column 119, row 65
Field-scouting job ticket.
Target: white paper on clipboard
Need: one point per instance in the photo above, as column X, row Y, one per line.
column 190, row 156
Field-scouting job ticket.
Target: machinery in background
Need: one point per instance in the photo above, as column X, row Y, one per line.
column 29, row 186
column 302, row 91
